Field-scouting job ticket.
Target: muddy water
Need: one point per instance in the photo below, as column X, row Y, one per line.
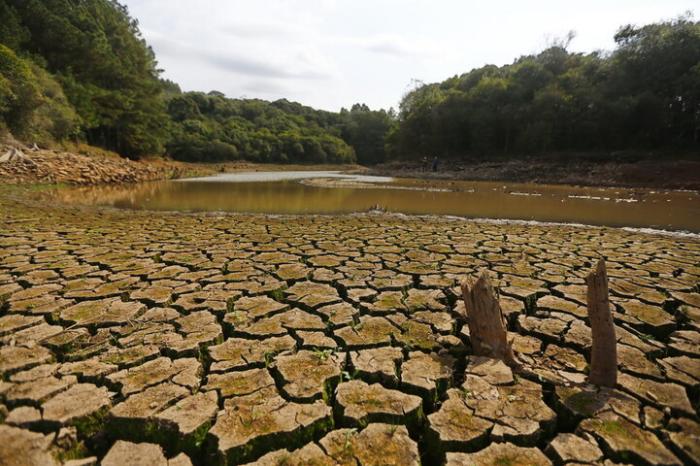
column 332, row 192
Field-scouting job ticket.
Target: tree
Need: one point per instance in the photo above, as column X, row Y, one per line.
column 212, row 128
column 366, row 131
column 94, row 49
column 19, row 91
column 32, row 103
column 657, row 66
column 643, row 95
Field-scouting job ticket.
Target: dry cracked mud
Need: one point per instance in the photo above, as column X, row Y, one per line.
column 177, row 339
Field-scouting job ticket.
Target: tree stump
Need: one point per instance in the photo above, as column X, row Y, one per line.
column 13, row 155
column 487, row 328
column 604, row 351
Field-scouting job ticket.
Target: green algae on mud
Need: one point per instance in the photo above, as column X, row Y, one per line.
column 281, row 324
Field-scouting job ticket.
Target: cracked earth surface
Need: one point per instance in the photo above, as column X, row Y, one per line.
column 173, row 339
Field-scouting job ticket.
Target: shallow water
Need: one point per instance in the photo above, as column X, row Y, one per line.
column 333, row 192
column 246, row 177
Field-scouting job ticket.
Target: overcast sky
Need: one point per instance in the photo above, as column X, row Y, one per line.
column 332, row 53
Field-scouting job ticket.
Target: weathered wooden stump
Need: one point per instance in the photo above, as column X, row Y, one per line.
column 13, row 155
column 487, row 328
column 604, row 351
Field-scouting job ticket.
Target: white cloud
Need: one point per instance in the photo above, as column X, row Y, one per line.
column 266, row 88
column 261, row 30
column 392, row 45
column 305, row 65
column 333, row 53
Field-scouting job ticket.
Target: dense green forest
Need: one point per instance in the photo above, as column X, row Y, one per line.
column 211, row 128
column 644, row 95
column 80, row 70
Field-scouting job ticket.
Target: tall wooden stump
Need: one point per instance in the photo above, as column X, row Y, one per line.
column 604, row 352
column 487, row 329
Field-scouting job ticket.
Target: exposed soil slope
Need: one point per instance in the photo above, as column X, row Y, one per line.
column 661, row 173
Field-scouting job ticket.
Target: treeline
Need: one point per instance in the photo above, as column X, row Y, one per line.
column 643, row 95
column 80, row 70
column 211, row 128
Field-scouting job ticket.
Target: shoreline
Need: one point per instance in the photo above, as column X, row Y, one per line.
column 678, row 174
column 31, row 203
column 372, row 213
column 93, row 166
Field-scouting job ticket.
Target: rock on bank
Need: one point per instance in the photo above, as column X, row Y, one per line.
column 20, row 165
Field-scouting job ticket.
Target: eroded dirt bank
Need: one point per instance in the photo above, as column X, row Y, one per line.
column 671, row 173
column 21, row 165
column 333, row 340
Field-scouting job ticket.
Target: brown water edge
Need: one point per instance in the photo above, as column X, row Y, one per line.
column 667, row 171
column 617, row 207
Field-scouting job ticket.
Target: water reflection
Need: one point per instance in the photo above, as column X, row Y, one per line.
column 674, row 210
column 250, row 177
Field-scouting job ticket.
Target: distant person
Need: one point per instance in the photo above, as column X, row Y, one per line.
column 425, row 163
column 435, row 164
